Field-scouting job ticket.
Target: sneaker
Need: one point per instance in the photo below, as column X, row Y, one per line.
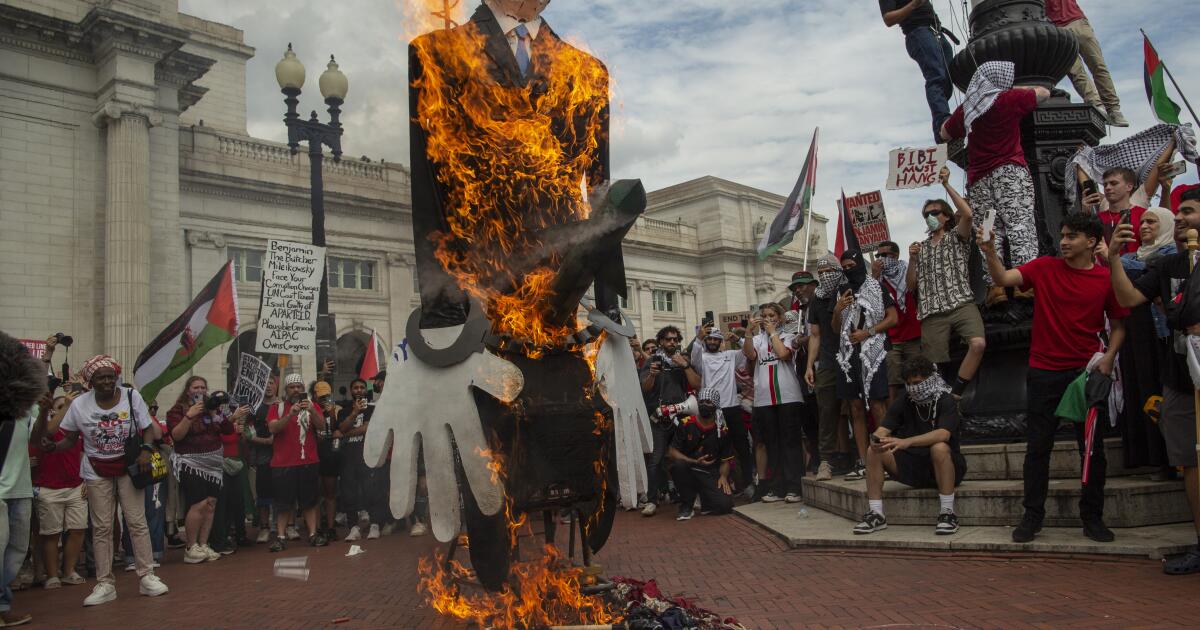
column 355, row 534
column 277, row 545
column 363, row 516
column 1095, row 529
column 194, row 555
column 1027, row 529
column 649, row 509
column 947, row 524
column 291, row 532
column 793, row 497
column 264, row 535
column 824, row 471
column 101, row 594
column 131, row 567
column 9, row 618
column 51, row 583
column 175, row 542
column 771, row 497
column 1185, row 564
column 373, row 533
column 210, row 552
column 857, row 474
column 871, row 522
column 151, row 586
column 418, row 529
column 387, row 529
column 339, row 518
column 685, row 513
column 1116, row 118
column 73, row 579
column 318, row 540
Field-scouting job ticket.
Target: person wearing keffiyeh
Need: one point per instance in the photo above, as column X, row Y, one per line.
column 822, row 372
column 701, row 454
column 999, row 183
column 905, row 336
column 917, row 444
column 863, row 314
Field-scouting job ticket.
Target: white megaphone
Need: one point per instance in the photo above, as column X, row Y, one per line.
column 689, row 407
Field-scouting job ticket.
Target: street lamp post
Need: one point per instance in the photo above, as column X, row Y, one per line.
column 289, row 72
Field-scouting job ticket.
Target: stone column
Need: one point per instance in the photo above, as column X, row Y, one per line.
column 400, row 294
column 691, row 310
column 646, row 306
column 126, row 233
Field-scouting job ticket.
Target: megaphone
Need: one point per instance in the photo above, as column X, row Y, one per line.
column 689, row 407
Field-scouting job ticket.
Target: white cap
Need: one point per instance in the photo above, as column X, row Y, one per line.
column 293, row 379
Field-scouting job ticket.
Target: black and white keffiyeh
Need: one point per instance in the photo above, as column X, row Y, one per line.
column 713, row 396
column 828, row 281
column 791, row 323
column 867, row 307
column 1137, row 153
column 929, row 390
column 990, row 80
column 895, row 273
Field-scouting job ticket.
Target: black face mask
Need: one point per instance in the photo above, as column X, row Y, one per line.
column 858, row 275
column 707, row 410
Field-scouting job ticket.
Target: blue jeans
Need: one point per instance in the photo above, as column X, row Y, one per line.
column 15, row 515
column 933, row 53
column 156, row 520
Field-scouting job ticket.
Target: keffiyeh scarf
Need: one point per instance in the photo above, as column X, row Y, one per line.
column 929, row 390
column 208, row 466
column 990, row 80
column 895, row 272
column 1137, row 153
column 828, row 282
column 96, row 363
column 867, row 306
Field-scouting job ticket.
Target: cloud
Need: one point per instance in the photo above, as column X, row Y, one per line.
column 701, row 87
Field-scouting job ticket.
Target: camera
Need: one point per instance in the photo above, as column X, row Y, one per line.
column 216, row 400
column 52, row 383
column 63, row 339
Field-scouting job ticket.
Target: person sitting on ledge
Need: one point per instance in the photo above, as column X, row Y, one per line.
column 917, row 444
column 701, row 453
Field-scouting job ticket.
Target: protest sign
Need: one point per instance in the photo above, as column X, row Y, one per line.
column 915, row 168
column 287, row 317
column 869, row 219
column 36, row 347
column 729, row 321
column 251, row 383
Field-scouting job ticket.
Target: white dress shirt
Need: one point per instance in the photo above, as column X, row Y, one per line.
column 508, row 24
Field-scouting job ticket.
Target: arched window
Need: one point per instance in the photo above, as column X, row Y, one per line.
column 351, row 350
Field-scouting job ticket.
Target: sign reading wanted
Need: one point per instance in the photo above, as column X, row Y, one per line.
column 251, row 384
column 287, row 317
column 915, row 168
column 869, row 219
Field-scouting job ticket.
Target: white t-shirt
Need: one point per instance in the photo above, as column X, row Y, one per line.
column 717, row 370
column 103, row 431
column 775, row 381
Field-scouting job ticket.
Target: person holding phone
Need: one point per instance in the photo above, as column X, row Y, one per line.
column 718, row 370
column 776, row 415
column 822, row 371
column 360, row 482
column 665, row 380
column 294, row 423
column 701, row 455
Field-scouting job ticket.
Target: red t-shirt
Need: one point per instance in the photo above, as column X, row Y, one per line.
column 995, row 138
column 908, row 327
column 229, row 444
column 1063, row 12
column 287, row 450
column 1112, row 219
column 1068, row 312
column 57, row 470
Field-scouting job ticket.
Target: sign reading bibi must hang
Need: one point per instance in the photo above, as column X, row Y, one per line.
column 287, row 317
column 869, row 219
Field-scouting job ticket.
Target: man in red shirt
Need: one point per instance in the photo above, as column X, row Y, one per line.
column 1066, row 14
column 905, row 336
column 1074, row 297
column 1118, row 183
column 294, row 465
column 999, row 183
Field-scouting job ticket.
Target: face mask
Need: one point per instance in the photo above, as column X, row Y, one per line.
column 707, row 410
column 931, row 221
column 890, row 265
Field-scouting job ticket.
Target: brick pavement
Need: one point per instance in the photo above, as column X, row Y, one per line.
column 733, row 566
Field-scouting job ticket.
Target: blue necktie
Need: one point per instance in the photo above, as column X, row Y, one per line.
column 522, row 49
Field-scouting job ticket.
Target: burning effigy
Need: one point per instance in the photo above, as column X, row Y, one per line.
column 516, row 405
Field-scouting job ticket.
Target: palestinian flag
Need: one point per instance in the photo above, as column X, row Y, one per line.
column 209, row 321
column 845, row 239
column 1156, row 89
column 791, row 216
column 371, row 365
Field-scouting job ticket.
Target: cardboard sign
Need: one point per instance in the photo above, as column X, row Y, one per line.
column 869, row 219
column 729, row 321
column 251, row 384
column 36, row 347
column 287, row 317
column 915, row 168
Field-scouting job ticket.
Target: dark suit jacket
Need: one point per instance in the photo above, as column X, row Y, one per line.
column 484, row 42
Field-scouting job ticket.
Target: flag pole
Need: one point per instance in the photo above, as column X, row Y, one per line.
column 1170, row 76
column 808, row 230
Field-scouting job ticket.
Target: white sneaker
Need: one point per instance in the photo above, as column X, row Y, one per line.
column 151, row 586
column 793, row 497
column 264, row 536
column 355, row 534
column 387, row 529
column 824, row 472
column 213, row 556
column 130, row 567
column 52, row 583
column 649, row 509
column 418, row 529
column 101, row 594
column 194, row 555
column 363, row 516
column 373, row 533
column 291, row 532
column 339, row 519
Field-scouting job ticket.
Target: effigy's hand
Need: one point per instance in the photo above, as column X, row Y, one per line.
column 619, row 385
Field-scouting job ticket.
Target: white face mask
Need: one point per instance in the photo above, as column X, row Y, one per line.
column 932, row 222
column 522, row 10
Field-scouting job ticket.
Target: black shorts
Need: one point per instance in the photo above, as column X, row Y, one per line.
column 852, row 388
column 914, row 468
column 330, row 461
column 196, row 488
column 294, row 486
column 262, row 484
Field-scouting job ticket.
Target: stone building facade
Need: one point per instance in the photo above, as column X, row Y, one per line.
column 127, row 178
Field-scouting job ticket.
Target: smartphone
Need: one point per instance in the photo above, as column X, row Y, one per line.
column 875, row 439
column 1175, row 169
column 1089, row 188
column 1127, row 218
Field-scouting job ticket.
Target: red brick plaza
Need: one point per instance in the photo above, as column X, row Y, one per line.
column 727, row 563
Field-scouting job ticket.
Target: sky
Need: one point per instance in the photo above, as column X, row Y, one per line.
column 701, row 87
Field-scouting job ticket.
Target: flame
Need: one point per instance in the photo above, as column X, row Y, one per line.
column 513, row 161
column 423, row 16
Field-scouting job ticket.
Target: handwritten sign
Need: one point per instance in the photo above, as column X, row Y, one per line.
column 869, row 219
column 729, row 321
column 251, row 384
column 915, row 168
column 287, row 318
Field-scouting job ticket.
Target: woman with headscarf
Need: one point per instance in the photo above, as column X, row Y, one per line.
column 998, row 179
column 105, row 417
column 1147, row 340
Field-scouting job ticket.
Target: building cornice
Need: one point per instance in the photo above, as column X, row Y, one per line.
column 214, row 185
column 43, row 34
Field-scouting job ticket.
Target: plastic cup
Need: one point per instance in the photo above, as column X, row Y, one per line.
column 292, row 574
column 292, row 568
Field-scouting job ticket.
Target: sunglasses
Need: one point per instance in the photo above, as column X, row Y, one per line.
column 887, row 255
column 670, row 338
column 931, row 213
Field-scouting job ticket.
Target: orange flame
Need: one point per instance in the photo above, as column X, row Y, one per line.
column 512, row 161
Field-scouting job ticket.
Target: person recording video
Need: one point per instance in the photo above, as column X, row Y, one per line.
column 665, row 379
column 294, row 424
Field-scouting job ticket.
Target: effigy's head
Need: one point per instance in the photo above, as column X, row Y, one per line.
column 522, row 10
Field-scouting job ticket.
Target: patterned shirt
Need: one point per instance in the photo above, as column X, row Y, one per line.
column 943, row 283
